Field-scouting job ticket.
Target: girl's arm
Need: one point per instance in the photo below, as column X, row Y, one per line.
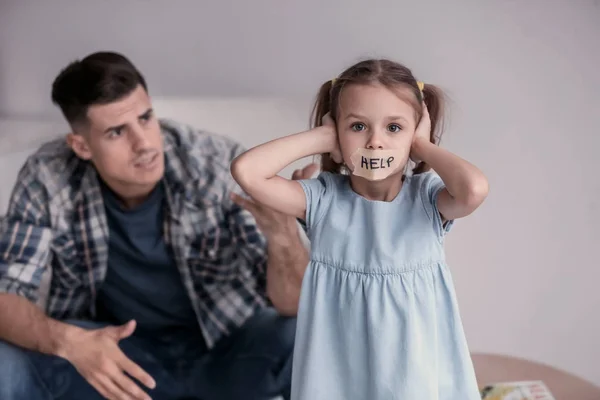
column 256, row 170
column 466, row 186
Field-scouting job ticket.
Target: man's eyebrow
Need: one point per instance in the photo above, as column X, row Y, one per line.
column 145, row 114
column 114, row 128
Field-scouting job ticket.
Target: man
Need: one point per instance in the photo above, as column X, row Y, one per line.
column 162, row 283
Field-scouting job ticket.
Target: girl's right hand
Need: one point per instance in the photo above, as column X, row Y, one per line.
column 335, row 152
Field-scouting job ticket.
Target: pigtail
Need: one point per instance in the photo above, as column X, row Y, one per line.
column 434, row 100
column 323, row 105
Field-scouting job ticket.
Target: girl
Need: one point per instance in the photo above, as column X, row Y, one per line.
column 378, row 316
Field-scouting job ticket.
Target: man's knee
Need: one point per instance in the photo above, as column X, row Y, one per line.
column 255, row 362
column 272, row 333
column 273, row 337
column 17, row 377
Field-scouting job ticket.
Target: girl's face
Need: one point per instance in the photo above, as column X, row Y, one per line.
column 374, row 117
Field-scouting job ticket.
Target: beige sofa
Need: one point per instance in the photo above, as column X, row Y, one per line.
column 248, row 120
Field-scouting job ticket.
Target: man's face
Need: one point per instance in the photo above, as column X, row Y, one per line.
column 124, row 142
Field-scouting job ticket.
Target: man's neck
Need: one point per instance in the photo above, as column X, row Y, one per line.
column 129, row 199
column 132, row 202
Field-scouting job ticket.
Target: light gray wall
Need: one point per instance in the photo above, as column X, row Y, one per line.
column 523, row 78
column 272, row 47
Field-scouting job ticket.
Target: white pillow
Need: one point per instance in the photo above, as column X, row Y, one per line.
column 250, row 121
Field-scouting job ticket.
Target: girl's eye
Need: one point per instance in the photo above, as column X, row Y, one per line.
column 394, row 128
column 357, row 127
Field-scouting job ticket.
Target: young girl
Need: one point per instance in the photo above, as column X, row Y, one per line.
column 378, row 317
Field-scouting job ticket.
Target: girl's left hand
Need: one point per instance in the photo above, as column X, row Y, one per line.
column 423, row 132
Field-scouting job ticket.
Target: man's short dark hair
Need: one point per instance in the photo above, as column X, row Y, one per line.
column 100, row 78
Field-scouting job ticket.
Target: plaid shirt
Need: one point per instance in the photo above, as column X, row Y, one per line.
column 56, row 220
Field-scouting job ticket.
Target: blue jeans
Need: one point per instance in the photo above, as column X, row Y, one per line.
column 254, row 363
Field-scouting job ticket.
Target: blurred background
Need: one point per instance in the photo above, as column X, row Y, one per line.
column 524, row 88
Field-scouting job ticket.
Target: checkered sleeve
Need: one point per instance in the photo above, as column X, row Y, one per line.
column 25, row 236
column 246, row 237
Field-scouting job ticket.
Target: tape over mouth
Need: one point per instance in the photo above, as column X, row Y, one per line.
column 375, row 164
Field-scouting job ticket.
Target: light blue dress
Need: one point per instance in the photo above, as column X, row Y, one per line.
column 378, row 316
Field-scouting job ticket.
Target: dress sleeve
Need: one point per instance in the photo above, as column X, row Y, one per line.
column 430, row 188
column 318, row 192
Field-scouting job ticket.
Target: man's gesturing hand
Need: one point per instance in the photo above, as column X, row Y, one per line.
column 97, row 357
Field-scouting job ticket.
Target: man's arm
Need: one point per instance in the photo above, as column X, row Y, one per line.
column 287, row 252
column 22, row 323
column 285, row 257
column 288, row 257
column 286, row 264
column 25, row 237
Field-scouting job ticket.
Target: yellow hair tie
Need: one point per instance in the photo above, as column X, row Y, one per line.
column 333, row 81
column 421, row 85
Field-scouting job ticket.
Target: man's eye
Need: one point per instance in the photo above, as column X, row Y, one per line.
column 358, row 127
column 114, row 133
